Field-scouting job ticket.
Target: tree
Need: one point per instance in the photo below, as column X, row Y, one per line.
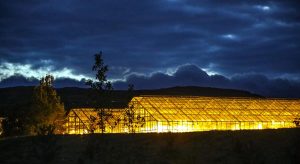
column 297, row 122
column 103, row 89
column 129, row 119
column 132, row 119
column 47, row 112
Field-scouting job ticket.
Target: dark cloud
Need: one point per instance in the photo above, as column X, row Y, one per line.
column 20, row 80
column 147, row 37
column 191, row 75
column 186, row 75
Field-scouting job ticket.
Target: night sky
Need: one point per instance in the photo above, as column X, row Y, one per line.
column 250, row 45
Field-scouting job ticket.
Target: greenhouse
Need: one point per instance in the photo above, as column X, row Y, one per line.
column 188, row 114
column 86, row 120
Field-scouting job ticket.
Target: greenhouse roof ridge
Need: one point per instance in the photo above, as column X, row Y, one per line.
column 86, row 108
column 219, row 97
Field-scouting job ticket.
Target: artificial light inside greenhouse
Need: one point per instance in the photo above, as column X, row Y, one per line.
column 148, row 114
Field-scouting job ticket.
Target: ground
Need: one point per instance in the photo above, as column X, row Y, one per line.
column 259, row 146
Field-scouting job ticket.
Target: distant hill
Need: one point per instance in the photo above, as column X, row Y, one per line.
column 19, row 98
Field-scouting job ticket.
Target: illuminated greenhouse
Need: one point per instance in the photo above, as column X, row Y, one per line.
column 189, row 114
column 84, row 120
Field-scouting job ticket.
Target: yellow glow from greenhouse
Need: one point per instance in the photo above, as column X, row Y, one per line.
column 161, row 128
column 72, row 132
column 259, row 126
column 235, row 127
column 191, row 114
column 182, row 128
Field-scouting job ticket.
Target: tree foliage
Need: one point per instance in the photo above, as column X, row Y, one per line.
column 132, row 120
column 103, row 89
column 47, row 112
column 101, row 83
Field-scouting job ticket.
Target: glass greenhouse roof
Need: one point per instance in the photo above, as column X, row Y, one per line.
column 178, row 108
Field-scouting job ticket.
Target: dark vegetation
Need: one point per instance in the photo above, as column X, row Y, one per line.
column 249, row 147
column 19, row 98
column 42, row 114
column 46, row 114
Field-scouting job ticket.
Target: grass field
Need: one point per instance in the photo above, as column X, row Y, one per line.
column 262, row 146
